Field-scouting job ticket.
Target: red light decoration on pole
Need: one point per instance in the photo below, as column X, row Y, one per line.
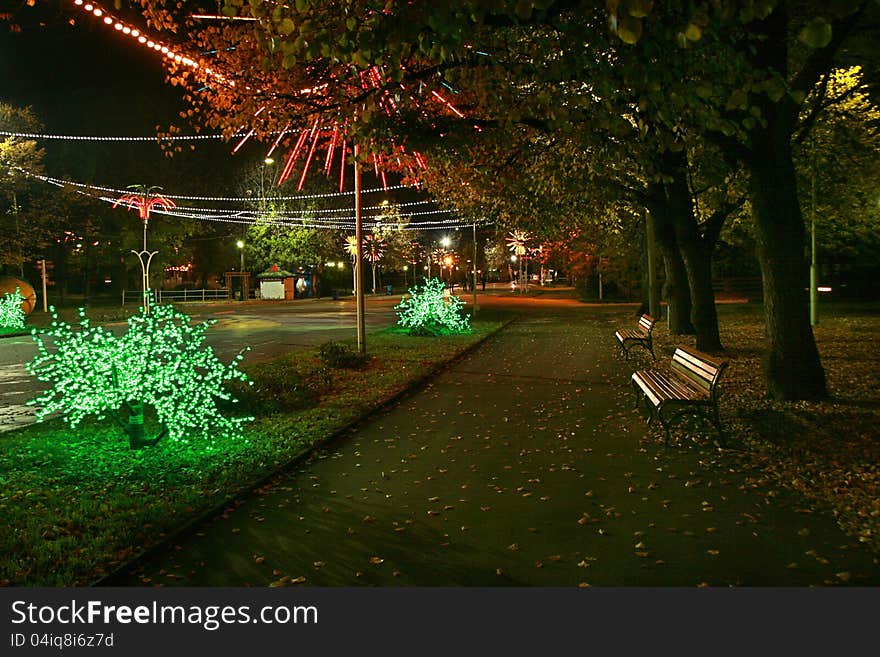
column 144, row 200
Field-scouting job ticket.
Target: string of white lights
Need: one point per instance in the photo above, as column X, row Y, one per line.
column 297, row 220
column 258, row 212
column 257, row 215
column 156, row 138
column 219, row 199
column 242, row 217
column 288, row 223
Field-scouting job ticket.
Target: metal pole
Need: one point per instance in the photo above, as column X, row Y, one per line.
column 358, row 234
column 653, row 296
column 476, row 307
column 146, row 273
column 814, row 273
column 45, row 302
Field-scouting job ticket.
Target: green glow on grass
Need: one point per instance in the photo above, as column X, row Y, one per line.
column 11, row 312
column 428, row 312
column 160, row 361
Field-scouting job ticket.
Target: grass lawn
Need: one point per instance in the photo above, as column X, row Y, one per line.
column 828, row 451
column 77, row 503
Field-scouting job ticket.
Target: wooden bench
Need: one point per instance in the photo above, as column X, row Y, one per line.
column 641, row 336
column 689, row 387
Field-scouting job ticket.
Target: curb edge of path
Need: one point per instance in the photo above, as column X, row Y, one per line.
column 247, row 491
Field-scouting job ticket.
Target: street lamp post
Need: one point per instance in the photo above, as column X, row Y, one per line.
column 814, row 270
column 476, row 308
column 240, row 245
column 144, row 200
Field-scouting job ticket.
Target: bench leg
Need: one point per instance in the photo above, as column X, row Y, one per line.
column 665, row 424
column 637, row 392
column 650, row 344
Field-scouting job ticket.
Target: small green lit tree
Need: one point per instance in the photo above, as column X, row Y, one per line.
column 11, row 312
column 427, row 311
column 161, row 361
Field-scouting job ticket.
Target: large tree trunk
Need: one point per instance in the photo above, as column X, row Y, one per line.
column 791, row 361
column 676, row 288
column 696, row 252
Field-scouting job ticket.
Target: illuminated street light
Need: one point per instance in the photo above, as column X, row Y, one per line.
column 240, row 245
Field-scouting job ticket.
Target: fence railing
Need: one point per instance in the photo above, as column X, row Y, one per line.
column 193, row 295
column 166, row 296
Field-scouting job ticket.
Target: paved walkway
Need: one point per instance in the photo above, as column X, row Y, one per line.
column 525, row 464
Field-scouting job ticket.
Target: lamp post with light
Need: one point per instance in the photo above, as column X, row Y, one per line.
column 144, row 200
column 240, row 245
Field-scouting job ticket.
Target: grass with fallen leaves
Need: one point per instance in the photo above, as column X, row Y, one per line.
column 828, row 451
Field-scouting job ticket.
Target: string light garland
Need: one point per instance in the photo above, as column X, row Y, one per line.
column 428, row 311
column 251, row 217
column 225, row 199
column 157, row 138
column 11, row 311
column 142, row 39
column 161, row 361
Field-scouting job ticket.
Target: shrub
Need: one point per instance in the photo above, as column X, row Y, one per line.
column 278, row 387
column 427, row 311
column 338, row 355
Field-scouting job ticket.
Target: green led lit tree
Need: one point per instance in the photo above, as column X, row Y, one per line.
column 161, row 361
column 427, row 311
column 11, row 312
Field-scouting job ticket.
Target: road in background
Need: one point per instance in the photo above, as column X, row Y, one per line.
column 271, row 330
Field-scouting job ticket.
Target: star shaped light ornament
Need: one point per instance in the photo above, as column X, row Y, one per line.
column 374, row 248
column 517, row 242
column 350, row 245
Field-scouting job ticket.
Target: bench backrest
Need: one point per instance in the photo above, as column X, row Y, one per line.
column 701, row 369
column 646, row 323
